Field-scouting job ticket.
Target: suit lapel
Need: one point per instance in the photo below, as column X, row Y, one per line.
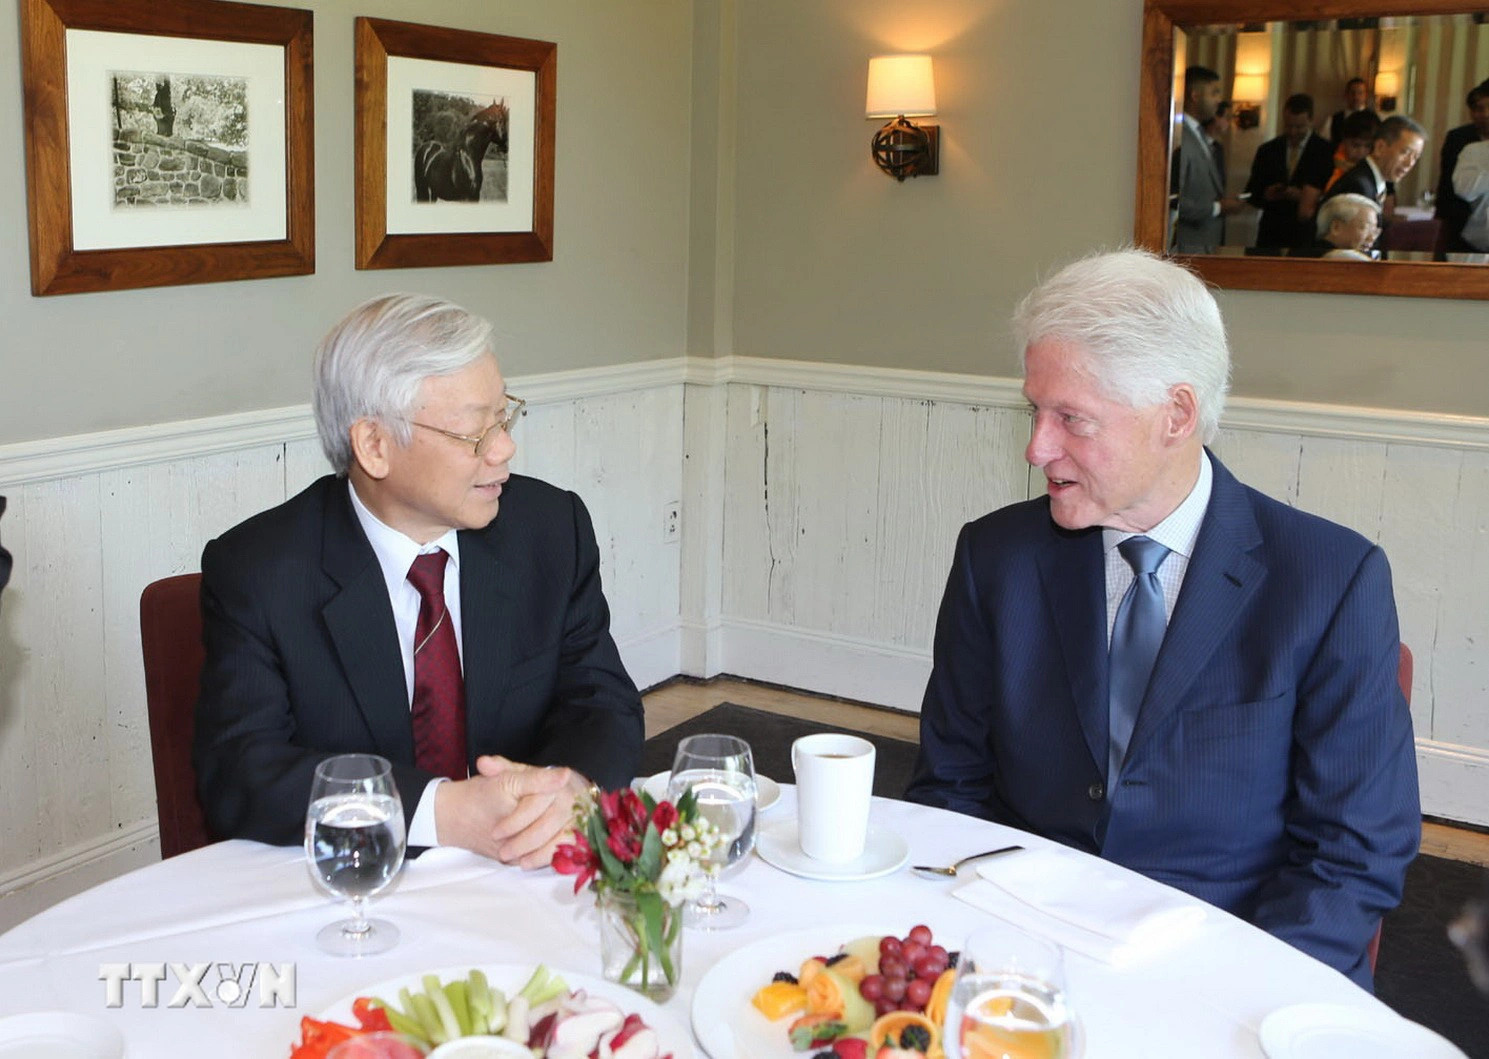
column 1073, row 573
column 489, row 613
column 1222, row 576
column 1202, row 146
column 359, row 619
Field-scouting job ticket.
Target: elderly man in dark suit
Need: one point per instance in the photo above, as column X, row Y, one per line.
column 1160, row 665
column 1452, row 209
column 1288, row 175
column 389, row 609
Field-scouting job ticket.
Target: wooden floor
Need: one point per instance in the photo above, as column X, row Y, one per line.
column 676, row 701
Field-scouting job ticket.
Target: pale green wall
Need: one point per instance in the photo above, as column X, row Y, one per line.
column 1038, row 109
column 615, row 292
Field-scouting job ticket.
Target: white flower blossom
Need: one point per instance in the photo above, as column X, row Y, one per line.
column 688, row 832
column 669, row 837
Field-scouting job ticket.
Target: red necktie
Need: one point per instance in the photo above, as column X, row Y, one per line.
column 439, row 689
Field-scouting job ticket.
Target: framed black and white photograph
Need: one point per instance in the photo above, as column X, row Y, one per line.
column 166, row 142
column 454, row 146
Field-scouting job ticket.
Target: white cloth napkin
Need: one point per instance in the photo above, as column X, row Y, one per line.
column 1094, row 907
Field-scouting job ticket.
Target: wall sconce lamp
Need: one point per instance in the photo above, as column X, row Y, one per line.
column 1248, row 91
column 902, row 86
column 1388, row 87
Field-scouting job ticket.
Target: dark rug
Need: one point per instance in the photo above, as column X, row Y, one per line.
column 1419, row 973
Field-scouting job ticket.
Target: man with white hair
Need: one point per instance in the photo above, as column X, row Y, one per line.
column 1160, row 665
column 389, row 609
column 1347, row 227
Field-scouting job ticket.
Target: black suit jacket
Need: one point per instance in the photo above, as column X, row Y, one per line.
column 1452, row 210
column 1279, row 225
column 1359, row 181
column 302, row 655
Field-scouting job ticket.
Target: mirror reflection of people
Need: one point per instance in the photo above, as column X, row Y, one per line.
column 1288, row 176
column 1348, row 226
column 1453, row 207
column 423, row 603
column 1356, row 99
column 1359, row 138
column 1244, row 738
column 1398, row 144
column 1197, row 177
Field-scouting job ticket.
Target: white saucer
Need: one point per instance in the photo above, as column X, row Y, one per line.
column 883, row 852
column 1343, row 1031
column 767, row 790
column 59, row 1035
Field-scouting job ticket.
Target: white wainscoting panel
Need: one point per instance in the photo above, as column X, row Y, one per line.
column 820, row 507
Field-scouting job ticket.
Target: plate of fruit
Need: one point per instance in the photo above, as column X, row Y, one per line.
column 828, row 993
column 546, row 1015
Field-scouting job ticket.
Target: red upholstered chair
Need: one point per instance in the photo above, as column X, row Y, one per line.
column 1403, row 676
column 1420, row 236
column 171, row 640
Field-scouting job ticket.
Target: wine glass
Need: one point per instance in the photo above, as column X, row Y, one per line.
column 1009, row 1000
column 354, row 843
column 721, row 773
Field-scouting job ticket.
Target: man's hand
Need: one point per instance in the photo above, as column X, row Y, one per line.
column 1230, row 205
column 508, row 811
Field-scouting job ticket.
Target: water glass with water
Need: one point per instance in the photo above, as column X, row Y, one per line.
column 721, row 772
column 354, row 845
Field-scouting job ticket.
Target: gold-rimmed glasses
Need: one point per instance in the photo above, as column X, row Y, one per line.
column 506, row 419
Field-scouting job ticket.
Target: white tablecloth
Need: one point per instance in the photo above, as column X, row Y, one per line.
column 240, row 902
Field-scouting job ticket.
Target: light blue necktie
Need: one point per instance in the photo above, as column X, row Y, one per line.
column 1136, row 637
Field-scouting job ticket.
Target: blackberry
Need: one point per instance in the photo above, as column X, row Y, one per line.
column 785, row 976
column 916, row 1039
column 951, row 958
column 831, row 960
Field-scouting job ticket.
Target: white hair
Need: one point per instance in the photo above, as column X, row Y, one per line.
column 1145, row 325
column 371, row 364
column 1343, row 208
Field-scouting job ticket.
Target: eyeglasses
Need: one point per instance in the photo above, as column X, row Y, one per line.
column 506, row 419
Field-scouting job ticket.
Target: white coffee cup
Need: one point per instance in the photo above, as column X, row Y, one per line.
column 834, row 782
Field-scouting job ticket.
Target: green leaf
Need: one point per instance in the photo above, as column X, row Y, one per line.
column 649, row 864
column 687, row 805
column 650, row 905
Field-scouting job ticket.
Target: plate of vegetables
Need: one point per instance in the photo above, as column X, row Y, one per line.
column 828, row 993
column 505, row 1006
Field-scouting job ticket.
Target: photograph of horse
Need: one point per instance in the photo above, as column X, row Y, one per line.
column 460, row 148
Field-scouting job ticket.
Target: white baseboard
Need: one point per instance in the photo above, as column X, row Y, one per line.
column 42, row 883
column 1449, row 774
column 652, row 657
column 864, row 670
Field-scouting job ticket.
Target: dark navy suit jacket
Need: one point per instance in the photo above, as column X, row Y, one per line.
column 303, row 658
column 1272, row 770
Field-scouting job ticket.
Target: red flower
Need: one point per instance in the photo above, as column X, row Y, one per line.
column 624, row 842
column 664, row 816
column 576, row 858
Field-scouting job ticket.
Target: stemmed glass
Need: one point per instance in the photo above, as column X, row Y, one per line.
column 721, row 772
column 1009, row 999
column 354, row 843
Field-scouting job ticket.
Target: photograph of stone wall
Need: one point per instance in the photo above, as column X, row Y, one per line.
column 180, row 140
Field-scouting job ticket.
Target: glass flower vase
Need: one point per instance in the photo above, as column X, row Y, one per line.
column 640, row 942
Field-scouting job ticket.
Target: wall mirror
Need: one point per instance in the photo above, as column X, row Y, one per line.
column 1419, row 57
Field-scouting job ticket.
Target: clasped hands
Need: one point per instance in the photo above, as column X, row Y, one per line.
column 511, row 812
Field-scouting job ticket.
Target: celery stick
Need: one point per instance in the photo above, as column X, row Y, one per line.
column 436, row 994
column 457, row 994
column 404, row 1024
column 434, row 1027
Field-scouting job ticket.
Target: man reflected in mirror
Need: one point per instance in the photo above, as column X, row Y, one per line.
column 1288, row 175
column 1359, row 138
column 1398, row 144
column 1356, row 100
column 1197, row 176
column 1347, row 228
column 1453, row 208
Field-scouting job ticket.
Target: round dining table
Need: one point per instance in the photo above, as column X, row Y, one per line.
column 238, row 903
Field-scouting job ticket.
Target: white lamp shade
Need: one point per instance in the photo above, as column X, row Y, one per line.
column 1249, row 88
column 900, row 84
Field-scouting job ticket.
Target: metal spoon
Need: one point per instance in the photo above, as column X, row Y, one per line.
column 951, row 870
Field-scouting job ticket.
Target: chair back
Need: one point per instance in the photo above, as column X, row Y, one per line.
column 171, row 641
column 1420, row 236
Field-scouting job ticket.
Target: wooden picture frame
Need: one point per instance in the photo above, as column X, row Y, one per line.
column 414, row 208
column 114, row 205
column 1161, row 19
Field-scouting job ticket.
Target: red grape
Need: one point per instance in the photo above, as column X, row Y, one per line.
column 893, row 966
column 928, row 967
column 912, row 951
column 939, row 951
column 894, row 989
column 921, row 933
column 883, row 1006
column 918, row 992
column 872, row 987
column 889, row 946
column 905, row 1005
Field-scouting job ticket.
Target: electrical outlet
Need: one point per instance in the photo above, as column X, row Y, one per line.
column 671, row 523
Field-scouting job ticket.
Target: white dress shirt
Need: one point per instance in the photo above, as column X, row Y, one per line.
column 1178, row 533
column 395, row 554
